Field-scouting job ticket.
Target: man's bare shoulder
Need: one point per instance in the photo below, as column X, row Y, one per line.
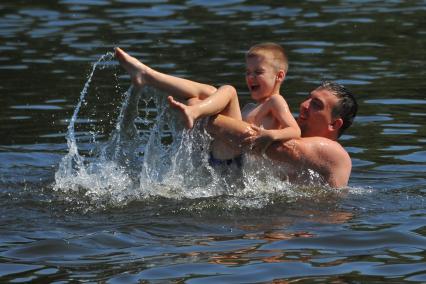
column 323, row 155
column 331, row 159
column 326, row 149
column 318, row 144
column 324, row 143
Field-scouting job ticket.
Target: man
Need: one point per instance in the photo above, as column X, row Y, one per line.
column 324, row 115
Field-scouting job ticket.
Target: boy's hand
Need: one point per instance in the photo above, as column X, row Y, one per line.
column 249, row 132
column 257, row 138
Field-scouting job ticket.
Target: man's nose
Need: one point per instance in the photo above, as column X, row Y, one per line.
column 305, row 104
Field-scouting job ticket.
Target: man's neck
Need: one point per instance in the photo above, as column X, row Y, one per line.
column 328, row 135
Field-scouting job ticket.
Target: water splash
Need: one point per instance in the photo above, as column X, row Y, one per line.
column 74, row 172
column 71, row 141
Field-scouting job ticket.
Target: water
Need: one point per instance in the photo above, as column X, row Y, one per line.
column 132, row 219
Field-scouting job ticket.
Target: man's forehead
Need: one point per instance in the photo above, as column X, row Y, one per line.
column 322, row 92
column 324, row 95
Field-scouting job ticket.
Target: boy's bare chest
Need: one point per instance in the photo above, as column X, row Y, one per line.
column 260, row 115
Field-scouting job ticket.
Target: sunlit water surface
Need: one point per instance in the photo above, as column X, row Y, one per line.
column 85, row 196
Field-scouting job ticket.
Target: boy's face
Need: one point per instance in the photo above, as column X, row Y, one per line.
column 262, row 77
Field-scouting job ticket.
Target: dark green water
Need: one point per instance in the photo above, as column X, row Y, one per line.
column 375, row 231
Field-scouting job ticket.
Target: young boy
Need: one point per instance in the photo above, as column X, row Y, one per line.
column 266, row 65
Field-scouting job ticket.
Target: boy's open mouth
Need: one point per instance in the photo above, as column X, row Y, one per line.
column 254, row 87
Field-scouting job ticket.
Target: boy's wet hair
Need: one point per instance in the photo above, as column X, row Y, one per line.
column 278, row 54
column 347, row 106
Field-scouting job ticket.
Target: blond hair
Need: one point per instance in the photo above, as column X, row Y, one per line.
column 279, row 58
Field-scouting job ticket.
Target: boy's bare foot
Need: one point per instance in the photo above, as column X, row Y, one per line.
column 185, row 110
column 136, row 69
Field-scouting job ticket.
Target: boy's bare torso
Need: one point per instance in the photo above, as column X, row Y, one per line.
column 261, row 115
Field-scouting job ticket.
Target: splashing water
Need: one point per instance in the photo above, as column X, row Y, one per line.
column 73, row 173
column 72, row 145
column 149, row 155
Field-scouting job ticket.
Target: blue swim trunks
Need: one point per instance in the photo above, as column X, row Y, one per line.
column 238, row 161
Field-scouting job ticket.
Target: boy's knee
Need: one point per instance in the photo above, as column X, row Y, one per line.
column 230, row 90
column 211, row 89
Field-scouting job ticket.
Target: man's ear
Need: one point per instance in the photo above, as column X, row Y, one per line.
column 280, row 75
column 336, row 124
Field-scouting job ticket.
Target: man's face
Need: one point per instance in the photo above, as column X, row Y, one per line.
column 315, row 117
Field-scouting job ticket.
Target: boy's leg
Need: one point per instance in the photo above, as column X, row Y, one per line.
column 229, row 135
column 224, row 101
column 192, row 91
column 144, row 75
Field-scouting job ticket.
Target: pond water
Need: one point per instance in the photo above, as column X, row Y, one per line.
column 91, row 222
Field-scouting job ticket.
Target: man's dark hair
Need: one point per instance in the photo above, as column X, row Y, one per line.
column 347, row 106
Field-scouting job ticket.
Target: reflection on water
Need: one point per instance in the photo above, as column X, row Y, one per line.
column 372, row 232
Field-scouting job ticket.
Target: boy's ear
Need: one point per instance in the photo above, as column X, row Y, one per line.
column 280, row 75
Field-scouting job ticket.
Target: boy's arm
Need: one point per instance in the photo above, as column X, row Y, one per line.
column 278, row 108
